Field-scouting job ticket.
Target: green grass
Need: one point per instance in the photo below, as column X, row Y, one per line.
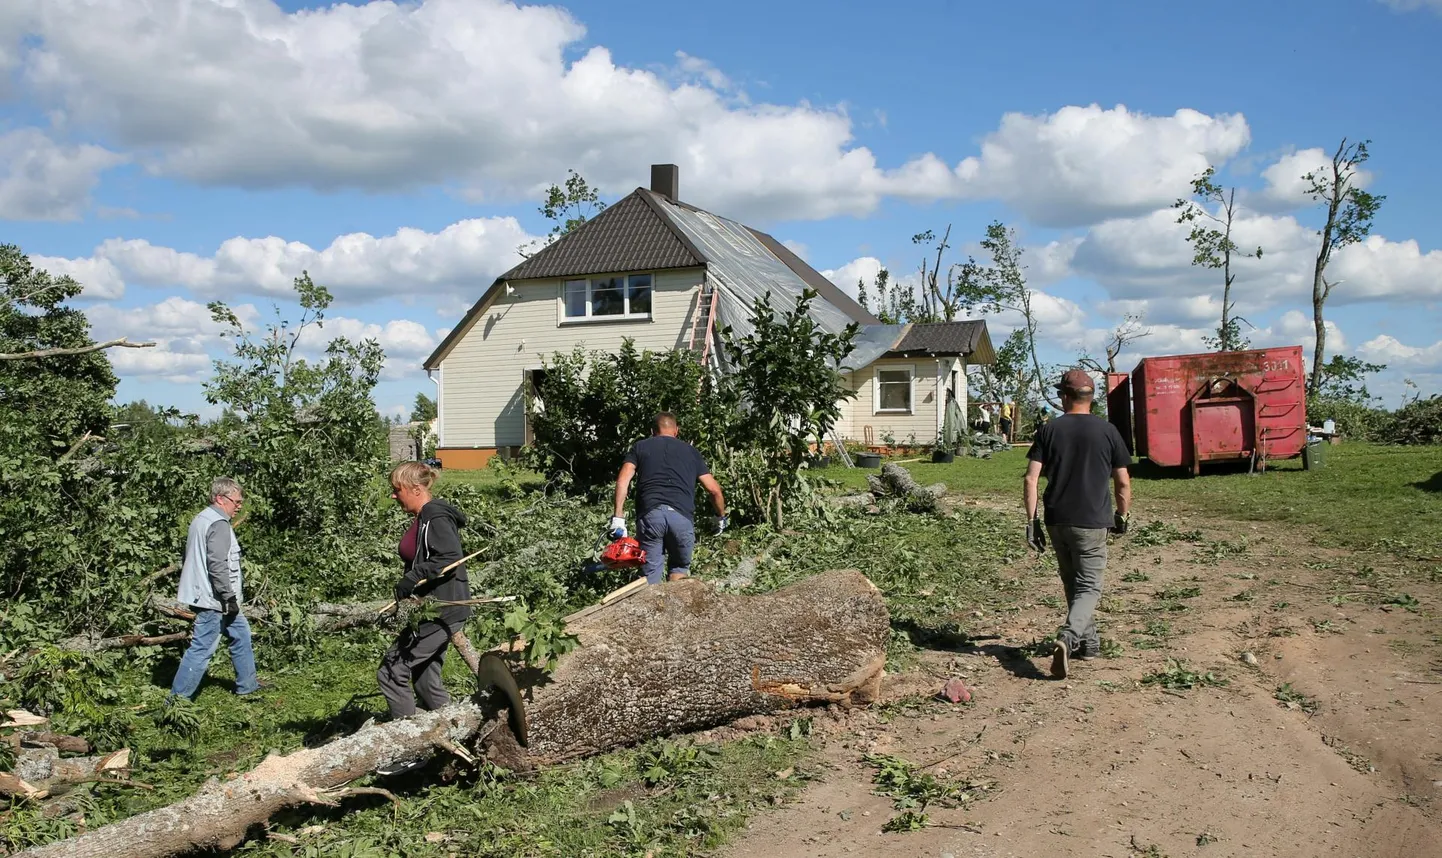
column 662, row 798
column 1366, row 497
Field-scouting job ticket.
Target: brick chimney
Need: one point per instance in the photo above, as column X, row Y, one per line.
column 666, row 180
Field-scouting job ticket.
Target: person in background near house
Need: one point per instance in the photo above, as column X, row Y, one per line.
column 210, row 583
column 666, row 470
column 1080, row 454
column 430, row 544
column 1006, row 422
column 983, row 420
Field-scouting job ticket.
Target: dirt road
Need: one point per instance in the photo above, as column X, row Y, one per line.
column 1330, row 744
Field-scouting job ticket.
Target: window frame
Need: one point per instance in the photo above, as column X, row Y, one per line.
column 910, row 370
column 626, row 286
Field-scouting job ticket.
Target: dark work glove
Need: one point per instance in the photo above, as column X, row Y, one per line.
column 405, row 589
column 1119, row 524
column 232, row 607
column 1036, row 534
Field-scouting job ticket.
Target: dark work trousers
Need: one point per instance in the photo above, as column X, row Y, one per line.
column 1081, row 557
column 415, row 658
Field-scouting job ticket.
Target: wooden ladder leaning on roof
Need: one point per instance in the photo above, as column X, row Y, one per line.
column 704, row 324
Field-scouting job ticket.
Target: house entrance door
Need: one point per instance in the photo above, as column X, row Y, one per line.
column 535, row 402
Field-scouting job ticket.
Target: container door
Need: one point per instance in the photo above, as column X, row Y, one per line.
column 1119, row 406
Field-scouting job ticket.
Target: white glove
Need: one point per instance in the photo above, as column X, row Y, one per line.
column 617, row 527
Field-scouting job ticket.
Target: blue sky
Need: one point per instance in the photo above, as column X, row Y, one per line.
column 209, row 150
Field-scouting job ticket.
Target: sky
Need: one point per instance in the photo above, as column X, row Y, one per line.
column 168, row 153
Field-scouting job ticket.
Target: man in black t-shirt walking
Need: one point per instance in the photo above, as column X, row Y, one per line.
column 666, row 471
column 1079, row 454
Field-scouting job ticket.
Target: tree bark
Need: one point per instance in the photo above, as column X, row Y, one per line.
column 328, row 616
column 897, row 482
column 683, row 657
column 218, row 816
column 122, row 343
column 655, row 661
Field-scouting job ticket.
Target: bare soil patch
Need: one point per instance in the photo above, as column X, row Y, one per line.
column 1329, row 744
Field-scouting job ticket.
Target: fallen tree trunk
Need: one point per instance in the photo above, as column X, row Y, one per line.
column 653, row 662
column 684, row 657
column 896, row 482
column 217, row 817
column 40, row 772
column 328, row 616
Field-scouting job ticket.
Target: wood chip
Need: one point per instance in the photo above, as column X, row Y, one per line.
column 21, row 718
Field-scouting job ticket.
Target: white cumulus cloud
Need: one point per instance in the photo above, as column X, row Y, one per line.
column 498, row 100
column 1397, row 355
column 41, row 179
column 100, row 277
column 461, row 259
column 1082, row 165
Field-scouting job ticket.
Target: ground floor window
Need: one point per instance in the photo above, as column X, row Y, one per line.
column 893, row 390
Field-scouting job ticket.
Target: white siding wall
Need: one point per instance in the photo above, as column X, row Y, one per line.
column 481, row 397
column 925, row 402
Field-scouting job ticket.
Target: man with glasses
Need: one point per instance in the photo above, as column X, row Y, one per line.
column 210, row 583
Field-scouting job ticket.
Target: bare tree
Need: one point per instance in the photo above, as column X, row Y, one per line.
column 942, row 300
column 1349, row 219
column 1213, row 247
column 1127, row 332
column 1001, row 287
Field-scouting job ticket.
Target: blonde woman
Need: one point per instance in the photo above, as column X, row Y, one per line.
column 430, row 544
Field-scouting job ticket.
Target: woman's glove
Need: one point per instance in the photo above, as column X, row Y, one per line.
column 405, row 589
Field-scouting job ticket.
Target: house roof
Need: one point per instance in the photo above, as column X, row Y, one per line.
column 632, row 235
column 968, row 339
column 646, row 231
column 946, row 338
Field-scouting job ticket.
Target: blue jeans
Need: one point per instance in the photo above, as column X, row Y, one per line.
column 204, row 640
column 664, row 530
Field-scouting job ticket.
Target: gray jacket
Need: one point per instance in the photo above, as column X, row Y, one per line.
column 211, row 571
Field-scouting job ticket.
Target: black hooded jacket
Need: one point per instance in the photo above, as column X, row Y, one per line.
column 438, row 544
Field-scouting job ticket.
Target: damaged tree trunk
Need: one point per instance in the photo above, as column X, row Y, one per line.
column 684, row 657
column 660, row 660
column 897, row 482
column 329, row 617
column 218, row 816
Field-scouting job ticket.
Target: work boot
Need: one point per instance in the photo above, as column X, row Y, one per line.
column 1088, row 651
column 1059, row 656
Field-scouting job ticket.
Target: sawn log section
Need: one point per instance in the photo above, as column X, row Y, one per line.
column 684, row 657
column 665, row 660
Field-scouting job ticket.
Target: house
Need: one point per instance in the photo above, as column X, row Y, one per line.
column 669, row 276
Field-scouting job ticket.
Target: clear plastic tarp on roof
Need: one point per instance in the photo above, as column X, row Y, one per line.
column 743, row 270
column 873, row 342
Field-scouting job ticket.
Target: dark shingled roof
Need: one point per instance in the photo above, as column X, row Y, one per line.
column 629, row 236
column 948, row 338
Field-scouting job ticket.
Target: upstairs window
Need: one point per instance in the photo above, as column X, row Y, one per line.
column 608, row 298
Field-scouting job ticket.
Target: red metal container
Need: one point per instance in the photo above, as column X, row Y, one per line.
column 1186, row 410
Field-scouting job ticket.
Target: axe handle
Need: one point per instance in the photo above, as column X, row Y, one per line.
column 390, row 605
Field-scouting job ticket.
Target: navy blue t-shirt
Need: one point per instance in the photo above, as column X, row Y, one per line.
column 1078, row 453
column 667, row 469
